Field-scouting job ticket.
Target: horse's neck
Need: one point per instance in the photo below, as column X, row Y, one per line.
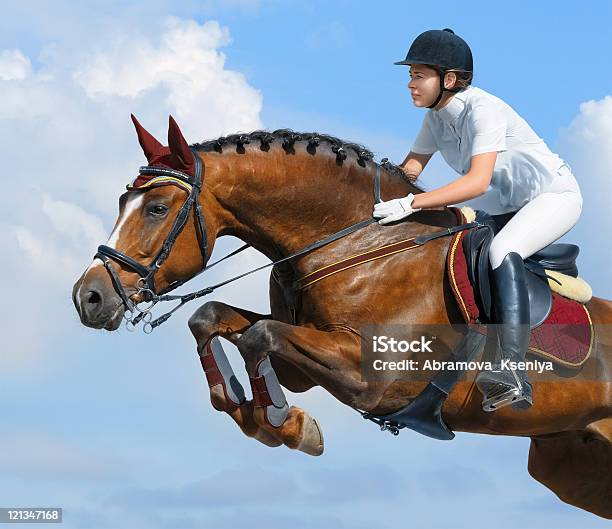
column 280, row 203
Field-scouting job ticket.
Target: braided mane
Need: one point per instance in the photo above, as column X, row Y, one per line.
column 288, row 138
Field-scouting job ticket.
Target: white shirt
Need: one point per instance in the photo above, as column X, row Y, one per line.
column 473, row 122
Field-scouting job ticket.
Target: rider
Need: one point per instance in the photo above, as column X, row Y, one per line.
column 489, row 144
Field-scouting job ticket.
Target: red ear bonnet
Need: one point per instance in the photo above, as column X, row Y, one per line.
column 177, row 156
column 181, row 157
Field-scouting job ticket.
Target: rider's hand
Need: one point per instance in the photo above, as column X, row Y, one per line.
column 395, row 209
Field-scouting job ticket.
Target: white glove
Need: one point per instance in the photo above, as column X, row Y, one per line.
column 395, row 209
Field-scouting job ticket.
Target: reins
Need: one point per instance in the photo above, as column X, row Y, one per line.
column 146, row 284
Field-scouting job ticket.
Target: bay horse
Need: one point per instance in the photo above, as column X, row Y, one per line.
column 278, row 192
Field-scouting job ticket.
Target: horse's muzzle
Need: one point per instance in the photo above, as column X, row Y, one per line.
column 98, row 306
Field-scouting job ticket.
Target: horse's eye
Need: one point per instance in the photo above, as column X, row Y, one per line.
column 158, row 210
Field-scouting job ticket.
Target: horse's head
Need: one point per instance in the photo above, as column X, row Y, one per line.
column 159, row 239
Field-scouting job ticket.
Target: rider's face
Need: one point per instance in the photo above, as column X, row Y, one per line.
column 424, row 85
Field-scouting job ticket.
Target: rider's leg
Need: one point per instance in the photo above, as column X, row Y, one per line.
column 537, row 224
column 504, row 386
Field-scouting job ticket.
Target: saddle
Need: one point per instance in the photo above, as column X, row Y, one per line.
column 469, row 270
column 559, row 257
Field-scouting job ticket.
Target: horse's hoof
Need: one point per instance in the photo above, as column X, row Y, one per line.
column 312, row 441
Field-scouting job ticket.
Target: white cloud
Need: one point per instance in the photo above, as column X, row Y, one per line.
column 69, row 238
column 49, row 249
column 187, row 63
column 72, row 221
column 70, row 148
column 14, row 65
column 586, row 143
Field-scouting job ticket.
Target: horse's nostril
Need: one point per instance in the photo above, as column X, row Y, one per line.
column 93, row 297
column 91, row 303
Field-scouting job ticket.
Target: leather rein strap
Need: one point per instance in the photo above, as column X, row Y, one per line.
column 146, row 282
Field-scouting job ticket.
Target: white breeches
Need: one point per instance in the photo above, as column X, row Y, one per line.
column 550, row 215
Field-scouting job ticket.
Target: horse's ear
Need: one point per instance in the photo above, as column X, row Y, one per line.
column 149, row 144
column 181, row 153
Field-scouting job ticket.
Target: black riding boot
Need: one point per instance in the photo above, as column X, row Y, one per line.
column 504, row 386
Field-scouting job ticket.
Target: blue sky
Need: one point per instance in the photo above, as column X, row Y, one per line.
column 117, row 428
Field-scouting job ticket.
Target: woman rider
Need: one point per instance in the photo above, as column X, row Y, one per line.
column 489, row 144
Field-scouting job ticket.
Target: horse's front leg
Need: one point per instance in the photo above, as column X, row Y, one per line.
column 330, row 359
column 226, row 393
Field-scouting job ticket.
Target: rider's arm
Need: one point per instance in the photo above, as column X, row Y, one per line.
column 471, row 185
column 423, row 148
column 486, row 136
column 414, row 164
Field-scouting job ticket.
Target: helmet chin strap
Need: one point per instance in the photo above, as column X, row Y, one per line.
column 441, row 76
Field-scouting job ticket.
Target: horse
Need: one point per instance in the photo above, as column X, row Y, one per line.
column 278, row 192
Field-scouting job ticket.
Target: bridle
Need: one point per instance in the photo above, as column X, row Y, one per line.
column 145, row 285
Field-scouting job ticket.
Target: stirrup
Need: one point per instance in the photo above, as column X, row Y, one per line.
column 498, row 393
column 506, row 397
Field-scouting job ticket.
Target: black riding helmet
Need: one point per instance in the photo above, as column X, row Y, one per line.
column 441, row 48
